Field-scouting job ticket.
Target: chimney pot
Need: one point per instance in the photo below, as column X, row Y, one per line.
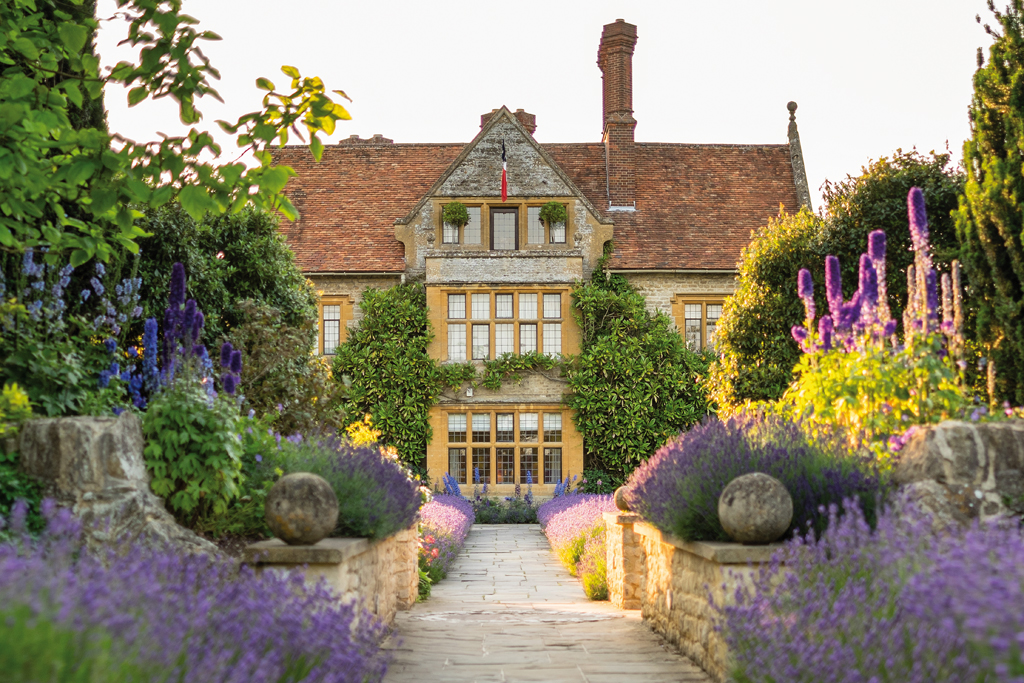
column 615, row 59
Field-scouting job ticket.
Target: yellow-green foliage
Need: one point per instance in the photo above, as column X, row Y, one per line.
column 14, row 408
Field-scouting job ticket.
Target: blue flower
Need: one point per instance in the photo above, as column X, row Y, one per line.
column 100, row 269
column 85, row 294
column 259, row 458
column 97, row 286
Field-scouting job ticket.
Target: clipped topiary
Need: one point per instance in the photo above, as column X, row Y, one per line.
column 455, row 214
column 553, row 213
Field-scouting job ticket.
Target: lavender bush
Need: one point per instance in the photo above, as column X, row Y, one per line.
column 677, row 490
column 377, row 496
column 897, row 604
column 148, row 616
column 569, row 521
column 444, row 523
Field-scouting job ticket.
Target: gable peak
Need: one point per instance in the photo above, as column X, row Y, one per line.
column 526, row 119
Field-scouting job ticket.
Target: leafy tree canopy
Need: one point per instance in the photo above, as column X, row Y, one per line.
column 757, row 351
column 69, row 185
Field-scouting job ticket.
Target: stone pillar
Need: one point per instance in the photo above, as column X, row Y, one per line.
column 625, row 561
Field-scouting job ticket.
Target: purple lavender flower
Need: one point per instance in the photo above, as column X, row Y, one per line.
column 918, row 218
column 833, row 285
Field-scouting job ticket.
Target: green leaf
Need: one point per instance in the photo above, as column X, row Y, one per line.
column 73, row 93
column 290, row 71
column 264, row 84
column 195, row 200
column 73, row 36
column 316, row 147
column 25, row 47
column 79, row 256
column 136, row 95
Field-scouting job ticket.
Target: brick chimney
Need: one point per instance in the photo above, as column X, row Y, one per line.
column 528, row 120
column 615, row 57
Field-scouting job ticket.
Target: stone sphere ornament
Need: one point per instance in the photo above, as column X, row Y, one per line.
column 755, row 509
column 301, row 508
column 620, row 499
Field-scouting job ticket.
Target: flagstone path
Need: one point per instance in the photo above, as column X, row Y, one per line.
column 509, row 611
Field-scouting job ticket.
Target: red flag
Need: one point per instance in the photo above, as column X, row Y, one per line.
column 504, row 173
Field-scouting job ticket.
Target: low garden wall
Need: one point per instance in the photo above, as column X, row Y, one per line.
column 382, row 574
column 673, row 583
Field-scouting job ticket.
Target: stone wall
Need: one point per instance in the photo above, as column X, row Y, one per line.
column 352, row 286
column 661, row 288
column 624, row 560
column 675, row 584
column 380, row 574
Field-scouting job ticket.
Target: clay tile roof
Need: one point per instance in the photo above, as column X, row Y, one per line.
column 349, row 201
column 696, row 204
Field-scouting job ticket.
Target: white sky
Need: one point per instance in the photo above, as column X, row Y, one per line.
column 870, row 76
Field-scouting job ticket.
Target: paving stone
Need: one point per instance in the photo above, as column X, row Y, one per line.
column 509, row 612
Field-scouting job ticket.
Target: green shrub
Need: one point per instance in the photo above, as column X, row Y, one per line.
column 598, row 481
column 455, row 214
column 757, row 352
column 228, row 259
column 592, row 567
column 15, row 485
column 634, row 384
column 285, row 381
column 392, row 376
column 192, row 449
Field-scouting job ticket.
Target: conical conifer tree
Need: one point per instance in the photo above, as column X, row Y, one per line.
column 990, row 219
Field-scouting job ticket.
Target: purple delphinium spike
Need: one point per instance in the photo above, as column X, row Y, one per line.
column 868, row 284
column 876, row 245
column 236, row 362
column 931, row 282
column 229, row 383
column 150, row 344
column 799, row 333
column 197, row 326
column 805, row 290
column 876, row 250
column 825, row 333
column 918, row 218
column 188, row 320
column 833, row 285
column 889, row 329
column 225, row 354
column 177, row 295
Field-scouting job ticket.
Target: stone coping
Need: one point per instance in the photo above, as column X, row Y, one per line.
column 621, row 517
column 326, row 551
column 722, row 553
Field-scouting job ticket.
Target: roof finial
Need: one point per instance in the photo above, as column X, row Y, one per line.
column 796, row 155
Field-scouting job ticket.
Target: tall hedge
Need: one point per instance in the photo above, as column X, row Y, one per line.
column 634, row 384
column 392, row 376
column 757, row 352
column 990, row 220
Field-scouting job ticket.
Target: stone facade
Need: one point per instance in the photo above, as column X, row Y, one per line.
column 380, row 574
column 677, row 584
column 664, row 289
column 352, row 286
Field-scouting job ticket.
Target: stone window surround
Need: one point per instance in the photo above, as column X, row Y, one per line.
column 517, row 444
column 485, row 207
column 492, row 320
column 345, row 303
column 679, row 303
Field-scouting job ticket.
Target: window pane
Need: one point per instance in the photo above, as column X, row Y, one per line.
column 503, row 224
column 535, row 229
column 528, row 306
column 502, row 305
column 457, row 428
column 552, row 338
column 481, row 306
column 456, row 305
column 482, row 465
column 505, row 469
column 552, row 426
column 528, row 427
column 481, row 427
column 558, row 233
column 527, row 338
column 691, row 328
column 714, row 312
column 552, row 305
column 471, row 231
column 449, row 234
column 481, row 342
column 332, row 328
column 528, row 466
column 506, row 425
column 456, row 342
column 504, row 339
column 552, row 465
column 457, row 464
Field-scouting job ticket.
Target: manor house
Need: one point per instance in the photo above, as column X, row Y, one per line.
column 679, row 215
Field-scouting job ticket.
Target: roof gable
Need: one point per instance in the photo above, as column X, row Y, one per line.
column 476, row 172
